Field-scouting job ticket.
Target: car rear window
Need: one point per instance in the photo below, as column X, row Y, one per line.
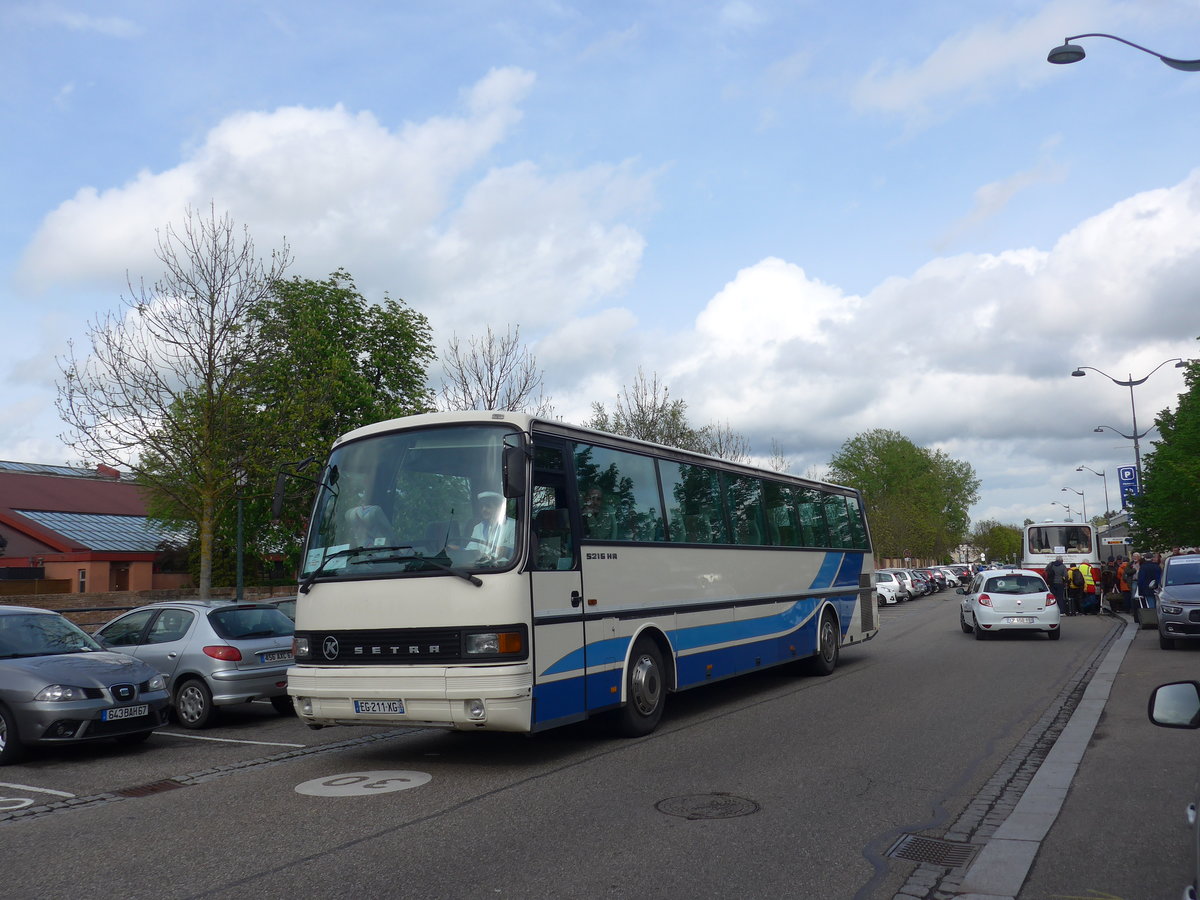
column 241, row 622
column 1015, row 584
column 883, row 576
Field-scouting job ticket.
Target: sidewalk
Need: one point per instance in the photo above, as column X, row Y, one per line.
column 1104, row 815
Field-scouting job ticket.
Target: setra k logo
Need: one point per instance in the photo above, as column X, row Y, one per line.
column 330, row 647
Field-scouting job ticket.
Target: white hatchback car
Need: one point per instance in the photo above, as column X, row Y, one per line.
column 1008, row 600
column 887, row 589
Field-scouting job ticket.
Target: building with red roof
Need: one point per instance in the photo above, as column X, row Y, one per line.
column 85, row 526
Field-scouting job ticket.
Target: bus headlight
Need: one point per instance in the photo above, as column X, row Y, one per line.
column 494, row 643
column 475, row 709
column 300, row 647
column 303, row 705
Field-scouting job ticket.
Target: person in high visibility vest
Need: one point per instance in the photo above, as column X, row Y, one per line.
column 1089, row 604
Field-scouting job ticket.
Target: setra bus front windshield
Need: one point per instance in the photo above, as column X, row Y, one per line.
column 422, row 501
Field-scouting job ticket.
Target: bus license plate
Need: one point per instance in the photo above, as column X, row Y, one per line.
column 1020, row 620
column 387, row 707
column 275, row 656
column 125, row 712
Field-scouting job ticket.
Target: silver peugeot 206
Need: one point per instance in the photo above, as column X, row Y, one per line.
column 213, row 653
column 59, row 686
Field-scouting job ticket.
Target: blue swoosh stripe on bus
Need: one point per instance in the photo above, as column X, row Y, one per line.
column 851, row 569
column 828, row 572
column 696, row 636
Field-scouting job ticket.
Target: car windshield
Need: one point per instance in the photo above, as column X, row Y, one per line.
column 246, row 622
column 1015, row 584
column 1182, row 571
column 417, row 501
column 41, row 634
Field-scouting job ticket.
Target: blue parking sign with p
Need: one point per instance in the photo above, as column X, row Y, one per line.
column 1127, row 477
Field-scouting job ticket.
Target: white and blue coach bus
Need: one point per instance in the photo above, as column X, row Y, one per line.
column 491, row 570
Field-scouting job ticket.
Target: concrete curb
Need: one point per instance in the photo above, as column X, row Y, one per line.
column 1003, row 864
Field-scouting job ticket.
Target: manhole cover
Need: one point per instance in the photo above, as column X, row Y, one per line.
column 950, row 854
column 707, row 806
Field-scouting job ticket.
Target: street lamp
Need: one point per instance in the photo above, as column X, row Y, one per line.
column 1131, row 383
column 1070, row 53
column 1064, row 506
column 1105, row 477
column 1080, row 493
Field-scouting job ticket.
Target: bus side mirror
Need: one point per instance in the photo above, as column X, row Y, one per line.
column 514, row 470
column 277, row 499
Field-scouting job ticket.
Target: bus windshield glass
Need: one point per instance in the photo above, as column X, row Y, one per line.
column 419, row 501
column 1058, row 539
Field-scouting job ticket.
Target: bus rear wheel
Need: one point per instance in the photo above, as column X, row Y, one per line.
column 828, row 647
column 645, row 690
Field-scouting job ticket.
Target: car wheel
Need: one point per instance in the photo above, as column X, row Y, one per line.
column 193, row 704
column 11, row 749
column 980, row 634
column 962, row 622
column 645, row 690
column 1055, row 634
column 137, row 737
column 828, row 647
column 1165, row 643
column 283, row 705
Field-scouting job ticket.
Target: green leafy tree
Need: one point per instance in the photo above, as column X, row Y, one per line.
column 1166, row 513
column 916, row 499
column 163, row 391
column 325, row 361
column 997, row 542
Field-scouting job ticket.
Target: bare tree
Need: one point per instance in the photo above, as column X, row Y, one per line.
column 720, row 440
column 646, row 411
column 778, row 461
column 162, row 393
column 493, row 372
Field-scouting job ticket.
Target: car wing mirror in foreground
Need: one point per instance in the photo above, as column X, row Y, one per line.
column 1175, row 705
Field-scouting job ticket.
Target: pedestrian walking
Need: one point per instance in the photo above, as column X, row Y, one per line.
column 1056, row 580
column 1089, row 604
column 1149, row 579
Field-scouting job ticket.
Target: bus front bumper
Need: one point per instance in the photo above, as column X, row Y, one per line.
column 467, row 698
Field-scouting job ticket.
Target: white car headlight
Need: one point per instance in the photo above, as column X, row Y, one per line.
column 157, row 683
column 60, row 693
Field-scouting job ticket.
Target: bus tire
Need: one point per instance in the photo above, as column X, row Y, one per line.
column 828, row 647
column 645, row 690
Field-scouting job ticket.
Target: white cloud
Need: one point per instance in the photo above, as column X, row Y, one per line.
column 973, row 65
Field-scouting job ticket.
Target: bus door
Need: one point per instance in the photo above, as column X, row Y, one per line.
column 556, row 585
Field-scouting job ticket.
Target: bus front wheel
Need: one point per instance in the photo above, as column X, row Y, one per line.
column 645, row 690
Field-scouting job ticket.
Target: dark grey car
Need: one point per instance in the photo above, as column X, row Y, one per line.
column 1179, row 600
column 213, row 653
column 58, row 686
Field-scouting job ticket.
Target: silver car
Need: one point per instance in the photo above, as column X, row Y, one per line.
column 58, row 686
column 1179, row 600
column 213, row 653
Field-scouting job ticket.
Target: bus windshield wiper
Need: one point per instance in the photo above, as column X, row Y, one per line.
column 306, row 584
column 453, row 570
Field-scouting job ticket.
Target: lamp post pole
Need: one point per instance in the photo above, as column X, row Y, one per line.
column 1105, row 477
column 1064, row 506
column 1131, row 383
column 1084, row 498
column 239, row 477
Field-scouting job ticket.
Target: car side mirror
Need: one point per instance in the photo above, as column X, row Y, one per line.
column 1175, row 705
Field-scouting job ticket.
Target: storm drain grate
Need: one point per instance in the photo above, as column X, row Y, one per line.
column 145, row 790
column 949, row 854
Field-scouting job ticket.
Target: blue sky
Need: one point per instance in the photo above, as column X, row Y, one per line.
column 808, row 219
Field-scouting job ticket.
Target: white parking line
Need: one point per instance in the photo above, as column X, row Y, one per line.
column 200, row 737
column 25, row 787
